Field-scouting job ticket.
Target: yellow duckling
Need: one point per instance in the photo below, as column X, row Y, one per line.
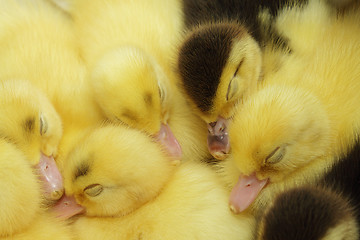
column 21, row 215
column 131, row 189
column 129, row 48
column 29, row 121
column 301, row 117
column 38, row 45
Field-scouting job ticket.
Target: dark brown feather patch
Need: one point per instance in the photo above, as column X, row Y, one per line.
column 82, row 170
column 202, row 58
column 29, row 124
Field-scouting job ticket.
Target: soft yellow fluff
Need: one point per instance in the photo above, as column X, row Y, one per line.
column 21, row 215
column 129, row 47
column 37, row 44
column 307, row 111
column 237, row 87
column 131, row 190
column 28, row 119
column 20, row 196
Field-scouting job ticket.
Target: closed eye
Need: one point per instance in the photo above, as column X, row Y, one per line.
column 276, row 156
column 43, row 125
column 238, row 67
column 93, row 190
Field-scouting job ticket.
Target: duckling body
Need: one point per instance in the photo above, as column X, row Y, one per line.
column 129, row 48
column 303, row 115
column 21, row 215
column 329, row 208
column 179, row 202
column 179, row 212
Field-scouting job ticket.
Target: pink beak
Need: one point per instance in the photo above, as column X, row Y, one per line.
column 50, row 177
column 245, row 192
column 67, row 207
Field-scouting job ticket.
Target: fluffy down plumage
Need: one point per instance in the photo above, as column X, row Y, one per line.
column 129, row 48
column 38, row 45
column 328, row 209
column 131, row 189
column 21, row 214
column 304, row 114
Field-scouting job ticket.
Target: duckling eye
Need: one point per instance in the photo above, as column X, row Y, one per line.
column 43, row 125
column 233, row 86
column 162, row 94
column 276, row 155
column 93, row 190
column 238, row 67
column 232, row 89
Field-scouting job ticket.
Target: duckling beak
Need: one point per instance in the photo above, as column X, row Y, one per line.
column 167, row 139
column 50, row 177
column 245, row 192
column 67, row 207
column 218, row 139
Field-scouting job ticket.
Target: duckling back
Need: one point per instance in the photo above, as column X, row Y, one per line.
column 328, row 43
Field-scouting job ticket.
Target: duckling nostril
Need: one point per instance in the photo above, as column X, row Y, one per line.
column 212, row 124
column 211, row 129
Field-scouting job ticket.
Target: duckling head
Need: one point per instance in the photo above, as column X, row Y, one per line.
column 219, row 65
column 131, row 88
column 116, row 170
column 276, row 134
column 29, row 121
column 292, row 212
column 20, row 191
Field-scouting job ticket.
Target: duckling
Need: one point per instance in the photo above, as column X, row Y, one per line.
column 301, row 106
column 129, row 51
column 328, row 209
column 21, row 215
column 29, row 121
column 108, row 173
column 202, row 58
column 38, row 45
column 309, row 213
column 273, row 138
column 220, row 58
